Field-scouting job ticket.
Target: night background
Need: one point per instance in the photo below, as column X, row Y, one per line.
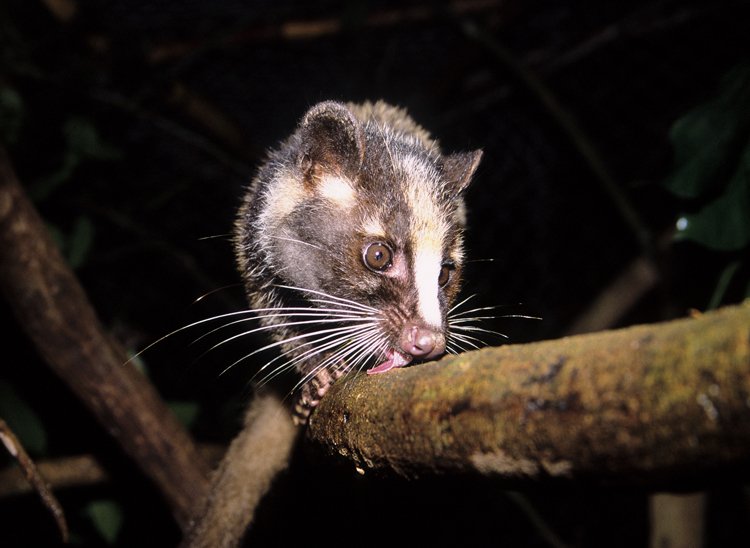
column 134, row 127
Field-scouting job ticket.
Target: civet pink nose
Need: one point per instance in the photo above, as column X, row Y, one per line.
column 422, row 342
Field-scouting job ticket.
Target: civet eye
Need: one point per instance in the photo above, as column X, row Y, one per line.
column 445, row 274
column 377, row 256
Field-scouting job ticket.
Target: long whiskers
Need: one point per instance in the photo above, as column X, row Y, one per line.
column 463, row 333
column 333, row 333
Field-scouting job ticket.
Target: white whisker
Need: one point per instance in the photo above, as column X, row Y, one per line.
column 479, row 330
column 453, row 347
column 327, row 317
column 297, row 241
column 524, row 316
column 186, row 327
column 345, row 344
column 467, row 339
column 454, row 307
column 208, row 293
column 353, row 304
column 332, row 331
column 459, row 321
column 337, row 337
column 353, row 346
column 338, row 341
column 289, row 324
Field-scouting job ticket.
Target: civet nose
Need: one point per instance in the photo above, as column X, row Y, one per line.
column 422, row 342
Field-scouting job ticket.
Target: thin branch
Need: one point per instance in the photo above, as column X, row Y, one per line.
column 76, row 471
column 298, row 29
column 34, row 477
column 572, row 129
column 652, row 404
column 624, row 292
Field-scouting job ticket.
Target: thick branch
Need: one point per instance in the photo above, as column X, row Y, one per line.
column 651, row 404
column 52, row 308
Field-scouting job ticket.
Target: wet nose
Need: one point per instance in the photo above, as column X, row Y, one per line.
column 422, row 342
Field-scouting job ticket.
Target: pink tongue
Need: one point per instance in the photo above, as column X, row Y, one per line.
column 393, row 359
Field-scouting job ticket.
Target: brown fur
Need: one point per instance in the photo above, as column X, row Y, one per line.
column 348, row 175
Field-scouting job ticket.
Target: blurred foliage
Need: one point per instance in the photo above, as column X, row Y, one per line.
column 186, row 412
column 23, row 420
column 712, row 174
column 11, row 114
column 76, row 244
column 712, row 153
column 106, row 516
column 82, row 143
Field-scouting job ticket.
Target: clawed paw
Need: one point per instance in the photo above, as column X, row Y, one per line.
column 312, row 392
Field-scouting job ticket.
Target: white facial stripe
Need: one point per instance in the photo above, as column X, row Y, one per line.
column 338, row 190
column 426, row 271
column 428, row 230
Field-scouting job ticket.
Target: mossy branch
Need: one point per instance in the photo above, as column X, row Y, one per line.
column 650, row 404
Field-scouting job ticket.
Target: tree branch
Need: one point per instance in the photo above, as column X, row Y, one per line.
column 52, row 308
column 649, row 404
column 77, row 471
column 34, row 478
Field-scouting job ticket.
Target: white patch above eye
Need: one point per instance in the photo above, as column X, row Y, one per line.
column 373, row 228
column 338, row 190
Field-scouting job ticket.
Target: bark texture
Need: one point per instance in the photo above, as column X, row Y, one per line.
column 257, row 454
column 647, row 404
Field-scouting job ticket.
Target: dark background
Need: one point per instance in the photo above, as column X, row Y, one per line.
column 134, row 126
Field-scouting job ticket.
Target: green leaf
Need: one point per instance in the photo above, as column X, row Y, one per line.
column 708, row 140
column 106, row 515
column 80, row 241
column 83, row 141
column 11, row 114
column 22, row 419
column 57, row 236
column 724, row 223
column 725, row 278
column 185, row 411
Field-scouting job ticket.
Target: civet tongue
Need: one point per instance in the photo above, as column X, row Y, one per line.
column 393, row 359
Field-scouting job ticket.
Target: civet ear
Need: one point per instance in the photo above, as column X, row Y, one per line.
column 331, row 140
column 458, row 169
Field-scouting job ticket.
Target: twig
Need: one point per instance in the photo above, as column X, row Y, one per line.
column 568, row 124
column 76, row 471
column 34, row 477
column 319, row 28
column 624, row 292
column 541, row 526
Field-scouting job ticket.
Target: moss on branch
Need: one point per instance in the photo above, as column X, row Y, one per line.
column 651, row 403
